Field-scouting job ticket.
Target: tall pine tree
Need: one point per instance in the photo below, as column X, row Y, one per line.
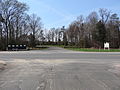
column 101, row 33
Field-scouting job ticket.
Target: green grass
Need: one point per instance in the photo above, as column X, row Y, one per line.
column 94, row 50
column 74, row 48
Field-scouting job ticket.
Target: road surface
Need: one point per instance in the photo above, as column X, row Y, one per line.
column 60, row 69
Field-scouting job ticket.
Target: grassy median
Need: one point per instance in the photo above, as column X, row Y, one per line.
column 94, row 50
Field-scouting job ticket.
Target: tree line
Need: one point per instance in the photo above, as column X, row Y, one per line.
column 91, row 31
column 18, row 27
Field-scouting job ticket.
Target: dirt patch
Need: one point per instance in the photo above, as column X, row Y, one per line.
column 117, row 66
column 53, row 62
column 115, row 69
column 2, row 65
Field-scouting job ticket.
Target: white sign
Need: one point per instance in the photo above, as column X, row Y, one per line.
column 106, row 45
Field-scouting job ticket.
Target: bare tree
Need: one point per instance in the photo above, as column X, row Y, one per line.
column 91, row 22
column 57, row 34
column 35, row 27
column 52, row 34
column 104, row 14
column 12, row 11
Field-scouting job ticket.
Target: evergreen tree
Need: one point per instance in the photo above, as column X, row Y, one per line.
column 101, row 33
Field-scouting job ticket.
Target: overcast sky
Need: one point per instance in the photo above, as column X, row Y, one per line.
column 58, row 13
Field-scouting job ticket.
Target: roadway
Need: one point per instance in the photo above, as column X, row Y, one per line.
column 60, row 69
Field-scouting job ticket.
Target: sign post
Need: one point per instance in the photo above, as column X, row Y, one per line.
column 106, row 46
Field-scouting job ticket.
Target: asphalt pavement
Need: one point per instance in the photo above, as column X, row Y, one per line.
column 59, row 69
